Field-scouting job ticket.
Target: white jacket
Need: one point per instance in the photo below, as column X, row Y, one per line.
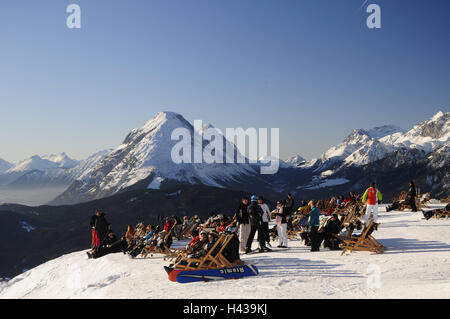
column 266, row 213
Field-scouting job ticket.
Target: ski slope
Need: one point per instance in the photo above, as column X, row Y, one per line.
column 416, row 265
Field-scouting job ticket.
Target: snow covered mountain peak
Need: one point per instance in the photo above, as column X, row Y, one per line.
column 437, row 127
column 385, row 130
column 145, row 159
column 62, row 160
column 438, row 115
column 295, row 160
column 43, row 163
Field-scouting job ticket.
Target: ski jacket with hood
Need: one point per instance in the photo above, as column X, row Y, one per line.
column 255, row 214
column 100, row 224
column 242, row 214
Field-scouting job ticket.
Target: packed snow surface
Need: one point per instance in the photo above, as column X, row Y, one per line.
column 416, row 265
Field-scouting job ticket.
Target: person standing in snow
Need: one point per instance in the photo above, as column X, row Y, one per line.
column 99, row 227
column 255, row 217
column 281, row 224
column 243, row 223
column 265, row 220
column 314, row 223
column 412, row 194
column 288, row 208
column 371, row 197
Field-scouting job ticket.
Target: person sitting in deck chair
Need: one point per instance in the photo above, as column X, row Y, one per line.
column 231, row 251
column 332, row 227
column 148, row 237
column 222, row 225
column 186, row 223
column 371, row 197
column 198, row 245
column 130, row 234
column 168, row 225
column 109, row 245
column 212, row 239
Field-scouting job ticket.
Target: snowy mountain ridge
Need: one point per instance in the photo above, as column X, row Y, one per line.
column 45, row 162
column 49, row 170
column 361, row 146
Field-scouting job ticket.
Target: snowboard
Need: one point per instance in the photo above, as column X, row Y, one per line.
column 216, row 274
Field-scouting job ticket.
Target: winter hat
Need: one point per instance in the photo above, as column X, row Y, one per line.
column 254, row 198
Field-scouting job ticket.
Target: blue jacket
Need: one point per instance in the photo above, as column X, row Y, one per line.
column 314, row 217
column 149, row 235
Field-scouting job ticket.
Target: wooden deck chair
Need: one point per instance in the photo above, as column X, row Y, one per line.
column 441, row 213
column 364, row 242
column 212, row 260
column 445, row 200
column 187, row 232
column 294, row 233
column 148, row 249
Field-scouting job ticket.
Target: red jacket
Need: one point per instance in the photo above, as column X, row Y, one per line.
column 168, row 225
column 193, row 241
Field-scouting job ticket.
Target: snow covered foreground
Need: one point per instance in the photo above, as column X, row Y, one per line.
column 416, row 265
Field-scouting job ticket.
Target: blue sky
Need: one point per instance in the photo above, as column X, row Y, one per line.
column 310, row 67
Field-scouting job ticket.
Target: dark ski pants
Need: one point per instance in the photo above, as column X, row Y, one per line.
column 412, row 202
column 315, row 238
column 264, row 232
column 251, row 236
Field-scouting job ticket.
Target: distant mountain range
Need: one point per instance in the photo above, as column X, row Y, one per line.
column 48, row 170
column 143, row 161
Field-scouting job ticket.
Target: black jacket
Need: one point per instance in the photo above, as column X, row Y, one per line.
column 283, row 215
column 242, row 214
column 100, row 224
column 255, row 213
column 412, row 192
column 289, row 204
column 333, row 227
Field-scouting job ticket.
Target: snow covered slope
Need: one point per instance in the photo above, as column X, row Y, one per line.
column 414, row 266
column 144, row 157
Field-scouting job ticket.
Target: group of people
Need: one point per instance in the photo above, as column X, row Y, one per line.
column 409, row 200
column 252, row 217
